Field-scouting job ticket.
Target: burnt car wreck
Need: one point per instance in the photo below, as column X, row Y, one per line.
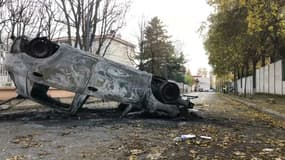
column 37, row 64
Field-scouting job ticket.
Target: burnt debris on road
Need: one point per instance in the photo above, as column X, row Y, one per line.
column 236, row 131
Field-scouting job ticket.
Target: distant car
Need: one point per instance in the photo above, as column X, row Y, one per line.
column 211, row 90
column 203, row 90
column 206, row 90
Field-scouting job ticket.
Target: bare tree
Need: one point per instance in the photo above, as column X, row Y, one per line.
column 141, row 43
column 47, row 24
column 112, row 20
column 2, row 19
column 88, row 18
column 20, row 16
column 85, row 20
column 202, row 72
column 2, row 2
column 15, row 16
column 28, row 17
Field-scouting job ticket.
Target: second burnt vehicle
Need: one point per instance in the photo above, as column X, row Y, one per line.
column 37, row 64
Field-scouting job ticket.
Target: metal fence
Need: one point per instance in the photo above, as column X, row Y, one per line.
column 5, row 79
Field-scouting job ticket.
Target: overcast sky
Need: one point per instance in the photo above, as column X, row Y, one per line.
column 182, row 19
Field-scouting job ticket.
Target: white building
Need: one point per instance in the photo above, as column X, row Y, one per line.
column 119, row 50
column 202, row 83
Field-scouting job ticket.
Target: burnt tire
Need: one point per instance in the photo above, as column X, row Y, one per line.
column 41, row 48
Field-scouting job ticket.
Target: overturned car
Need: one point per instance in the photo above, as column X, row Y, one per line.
column 37, row 64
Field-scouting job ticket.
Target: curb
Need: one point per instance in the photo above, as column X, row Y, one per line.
column 254, row 106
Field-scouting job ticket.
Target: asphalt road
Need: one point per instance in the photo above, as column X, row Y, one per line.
column 233, row 131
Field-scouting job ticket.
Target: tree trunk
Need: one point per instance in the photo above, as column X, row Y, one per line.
column 235, row 79
column 272, row 59
column 95, row 23
column 67, row 22
column 245, row 82
column 263, row 61
column 254, row 62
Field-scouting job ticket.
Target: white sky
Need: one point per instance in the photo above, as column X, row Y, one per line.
column 182, row 19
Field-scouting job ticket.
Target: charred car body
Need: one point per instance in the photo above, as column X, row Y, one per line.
column 37, row 64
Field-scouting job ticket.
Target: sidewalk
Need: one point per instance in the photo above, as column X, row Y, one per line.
column 273, row 105
column 9, row 92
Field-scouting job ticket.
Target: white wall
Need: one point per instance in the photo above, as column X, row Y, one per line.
column 272, row 78
column 278, row 78
column 239, row 89
column 257, row 84
column 269, row 79
column 266, row 80
column 249, row 85
column 283, row 84
column 261, row 78
column 246, row 86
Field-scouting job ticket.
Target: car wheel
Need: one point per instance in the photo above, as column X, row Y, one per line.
column 41, row 48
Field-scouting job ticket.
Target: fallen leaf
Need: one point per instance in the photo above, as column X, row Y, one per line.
column 133, row 157
column 16, row 158
column 193, row 152
column 238, row 153
column 268, row 150
column 136, row 151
